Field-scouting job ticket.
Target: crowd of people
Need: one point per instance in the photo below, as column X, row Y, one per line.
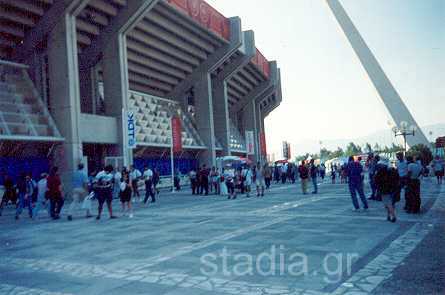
column 386, row 185
column 231, row 182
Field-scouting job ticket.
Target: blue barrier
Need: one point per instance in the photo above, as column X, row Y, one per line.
column 164, row 166
column 15, row 166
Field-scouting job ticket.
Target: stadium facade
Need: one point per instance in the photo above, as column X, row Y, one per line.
column 74, row 71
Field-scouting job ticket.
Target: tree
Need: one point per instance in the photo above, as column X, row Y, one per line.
column 325, row 154
column 422, row 153
column 352, row 149
column 368, row 148
column 338, row 153
column 377, row 148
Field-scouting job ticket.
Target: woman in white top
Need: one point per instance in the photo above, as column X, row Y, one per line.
column 222, row 183
column 42, row 188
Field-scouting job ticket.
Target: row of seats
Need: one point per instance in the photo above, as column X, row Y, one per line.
column 153, row 121
column 20, row 112
column 237, row 141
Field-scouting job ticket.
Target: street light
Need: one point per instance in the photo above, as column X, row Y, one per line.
column 404, row 131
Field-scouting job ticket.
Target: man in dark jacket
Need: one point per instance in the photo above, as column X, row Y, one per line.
column 355, row 177
column 304, row 176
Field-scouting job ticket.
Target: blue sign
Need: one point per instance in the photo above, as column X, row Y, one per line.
column 131, row 130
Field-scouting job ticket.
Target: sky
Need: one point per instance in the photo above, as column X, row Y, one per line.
column 326, row 92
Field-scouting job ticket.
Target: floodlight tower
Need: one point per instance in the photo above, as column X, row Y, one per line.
column 394, row 104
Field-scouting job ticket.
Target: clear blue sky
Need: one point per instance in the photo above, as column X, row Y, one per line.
column 326, row 92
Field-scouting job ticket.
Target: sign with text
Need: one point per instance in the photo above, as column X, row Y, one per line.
column 176, row 134
column 130, row 120
column 205, row 15
column 250, row 143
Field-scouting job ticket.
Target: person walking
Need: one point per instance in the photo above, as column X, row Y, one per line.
column 135, row 176
column 333, row 174
column 222, row 183
column 413, row 186
column 304, row 176
column 26, row 190
column 355, row 176
column 322, row 172
column 438, row 168
column 229, row 177
column 247, row 176
column 148, row 181
column 402, row 169
column 268, row 175
column 177, row 180
column 387, row 181
column 125, row 195
column 116, row 182
column 10, row 193
column 283, row 173
column 80, row 188
column 259, row 180
column 55, row 193
column 156, row 180
column 104, row 190
column 194, row 181
column 276, row 173
column 42, row 190
column 204, row 180
column 372, row 163
column 314, row 176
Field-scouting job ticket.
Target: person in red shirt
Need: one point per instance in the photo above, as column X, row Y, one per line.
column 54, row 193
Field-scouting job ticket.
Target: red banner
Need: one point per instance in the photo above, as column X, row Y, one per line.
column 262, row 63
column 206, row 15
column 176, row 134
column 263, row 144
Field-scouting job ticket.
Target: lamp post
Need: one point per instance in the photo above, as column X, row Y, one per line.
column 404, row 131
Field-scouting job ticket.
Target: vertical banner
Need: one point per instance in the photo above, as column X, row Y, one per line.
column 286, row 150
column 263, row 144
column 176, row 134
column 250, row 143
column 130, row 123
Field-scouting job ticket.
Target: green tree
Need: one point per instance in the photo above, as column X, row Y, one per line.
column 421, row 152
column 338, row 153
column 352, row 149
column 368, row 148
column 377, row 148
column 325, row 154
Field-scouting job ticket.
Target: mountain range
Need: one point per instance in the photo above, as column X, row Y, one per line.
column 382, row 137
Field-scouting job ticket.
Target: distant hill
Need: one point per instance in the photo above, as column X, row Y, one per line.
column 383, row 138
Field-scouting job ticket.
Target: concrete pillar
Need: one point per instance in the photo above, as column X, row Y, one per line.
column 64, row 92
column 249, row 122
column 221, row 115
column 220, row 96
column 115, row 76
column 204, row 118
column 86, row 77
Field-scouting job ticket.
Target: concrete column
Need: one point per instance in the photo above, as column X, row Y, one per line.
column 64, row 92
column 220, row 96
column 221, row 115
column 204, row 118
column 115, row 76
column 250, row 124
column 86, row 77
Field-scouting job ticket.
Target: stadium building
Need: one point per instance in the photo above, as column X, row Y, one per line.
column 77, row 75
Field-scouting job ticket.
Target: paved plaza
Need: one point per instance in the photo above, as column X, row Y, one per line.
column 284, row 243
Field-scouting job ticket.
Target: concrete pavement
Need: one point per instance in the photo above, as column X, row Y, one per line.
column 284, row 243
